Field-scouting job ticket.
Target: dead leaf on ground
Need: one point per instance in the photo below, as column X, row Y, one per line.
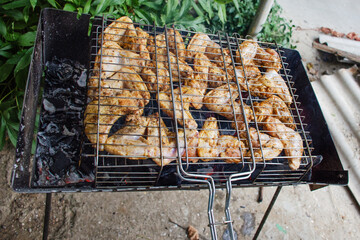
column 192, row 233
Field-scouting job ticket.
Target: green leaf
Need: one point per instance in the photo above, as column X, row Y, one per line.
column 2, row 27
column 16, row 57
column 27, row 39
column 185, row 7
column 33, row 3
column 24, row 61
column 143, row 15
column 16, row 4
column 12, row 135
column 52, row 3
column 87, row 7
column 26, row 13
column 236, row 3
column 11, row 37
column 2, row 133
column 69, row 7
column 222, row 13
column 20, row 78
column 197, row 9
column 5, row 71
column 17, row 15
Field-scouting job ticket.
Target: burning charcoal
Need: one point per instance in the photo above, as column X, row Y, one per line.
column 48, row 106
column 61, row 122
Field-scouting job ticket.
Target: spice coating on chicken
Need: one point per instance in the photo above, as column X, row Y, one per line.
column 219, row 101
column 111, row 57
column 268, row 59
column 231, row 148
column 140, row 139
column 175, row 36
column 264, row 146
column 281, row 89
column 200, row 80
column 275, row 107
column 208, row 138
column 108, row 87
column 198, row 44
column 105, row 115
column 293, row 144
column 246, row 53
column 165, row 101
column 116, row 30
column 241, row 75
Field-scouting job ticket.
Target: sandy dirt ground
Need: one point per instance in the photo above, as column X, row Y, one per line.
column 327, row 213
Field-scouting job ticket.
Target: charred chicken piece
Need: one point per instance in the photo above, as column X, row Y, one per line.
column 229, row 148
column 292, row 141
column 208, row 138
column 218, row 100
column 246, row 53
column 165, row 101
column 275, row 107
column 271, row 146
column 268, row 59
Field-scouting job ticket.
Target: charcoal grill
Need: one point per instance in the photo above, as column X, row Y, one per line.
column 62, row 35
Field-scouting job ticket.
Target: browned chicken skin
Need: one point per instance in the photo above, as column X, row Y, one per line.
column 114, row 58
column 292, row 141
column 116, row 30
column 271, row 146
column 219, row 101
column 165, row 101
column 140, row 139
column 251, row 73
column 268, row 59
column 229, row 148
column 197, row 44
column 208, row 138
column 111, row 109
column 248, row 51
column 275, row 107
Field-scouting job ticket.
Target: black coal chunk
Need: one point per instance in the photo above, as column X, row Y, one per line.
column 61, row 123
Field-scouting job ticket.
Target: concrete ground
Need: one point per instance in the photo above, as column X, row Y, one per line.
column 327, row 213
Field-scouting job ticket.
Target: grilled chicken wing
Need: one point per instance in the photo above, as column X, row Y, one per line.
column 199, row 82
column 275, row 107
column 271, row 146
column 165, row 101
column 219, row 101
column 208, row 137
column 156, row 77
column 248, row 50
column 111, row 86
column 268, row 59
column 111, row 109
column 220, row 56
column 229, row 148
column 292, row 141
column 269, row 84
column 217, row 76
column 126, row 78
column 114, row 58
column 116, row 30
column 140, row 139
column 179, row 47
column 197, row 44
column 250, row 73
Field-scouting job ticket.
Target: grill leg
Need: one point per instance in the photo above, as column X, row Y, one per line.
column 260, row 196
column 268, row 210
column 47, row 216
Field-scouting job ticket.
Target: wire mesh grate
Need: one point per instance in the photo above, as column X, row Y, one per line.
column 141, row 73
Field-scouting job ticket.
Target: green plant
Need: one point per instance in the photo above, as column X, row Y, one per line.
column 19, row 18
